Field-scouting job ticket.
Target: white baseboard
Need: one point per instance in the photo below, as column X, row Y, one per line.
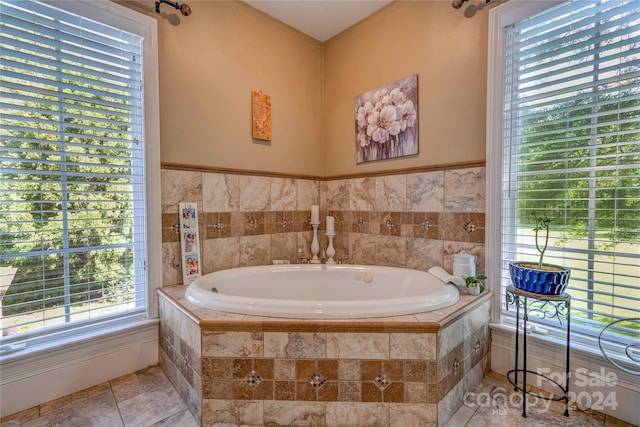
column 588, row 386
column 54, row 373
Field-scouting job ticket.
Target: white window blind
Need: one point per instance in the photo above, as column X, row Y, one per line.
column 571, row 150
column 72, row 177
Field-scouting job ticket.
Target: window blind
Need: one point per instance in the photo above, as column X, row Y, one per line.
column 72, row 177
column 571, row 151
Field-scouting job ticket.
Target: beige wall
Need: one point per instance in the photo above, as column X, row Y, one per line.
column 211, row 60
column 448, row 52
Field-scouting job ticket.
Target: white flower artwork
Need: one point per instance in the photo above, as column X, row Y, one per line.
column 387, row 121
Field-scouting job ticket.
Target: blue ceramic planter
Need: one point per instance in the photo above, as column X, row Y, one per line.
column 547, row 282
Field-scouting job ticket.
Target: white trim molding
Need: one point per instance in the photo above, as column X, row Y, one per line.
column 34, row 375
column 594, row 383
column 499, row 17
column 78, row 365
column 544, row 353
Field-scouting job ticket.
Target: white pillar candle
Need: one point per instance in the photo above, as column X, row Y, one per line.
column 315, row 213
column 331, row 225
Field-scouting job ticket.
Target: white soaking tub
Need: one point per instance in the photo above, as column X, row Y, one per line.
column 308, row 291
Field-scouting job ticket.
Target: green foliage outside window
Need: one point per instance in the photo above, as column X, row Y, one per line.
column 563, row 158
column 73, row 194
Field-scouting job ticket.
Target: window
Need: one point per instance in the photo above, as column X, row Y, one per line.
column 75, row 164
column 568, row 146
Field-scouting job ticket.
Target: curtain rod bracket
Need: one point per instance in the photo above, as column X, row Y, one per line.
column 183, row 8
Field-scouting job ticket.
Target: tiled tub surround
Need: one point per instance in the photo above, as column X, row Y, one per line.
column 414, row 220
column 400, row 371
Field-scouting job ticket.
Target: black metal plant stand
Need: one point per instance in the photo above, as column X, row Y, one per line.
column 543, row 306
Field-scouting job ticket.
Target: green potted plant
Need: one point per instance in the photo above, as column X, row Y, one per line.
column 539, row 277
column 475, row 284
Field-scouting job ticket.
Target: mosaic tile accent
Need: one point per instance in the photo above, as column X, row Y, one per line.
column 381, row 381
column 317, row 380
column 253, row 379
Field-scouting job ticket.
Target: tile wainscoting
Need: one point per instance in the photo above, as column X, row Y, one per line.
column 414, row 220
column 397, row 371
column 394, row 371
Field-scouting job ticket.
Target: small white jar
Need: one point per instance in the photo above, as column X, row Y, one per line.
column 464, row 265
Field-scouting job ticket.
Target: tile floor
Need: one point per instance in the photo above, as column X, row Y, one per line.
column 147, row 398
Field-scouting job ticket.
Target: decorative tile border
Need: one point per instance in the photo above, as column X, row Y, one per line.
column 220, row 225
column 452, row 226
column 352, row 380
column 334, row 380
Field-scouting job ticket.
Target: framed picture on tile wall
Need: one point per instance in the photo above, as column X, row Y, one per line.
column 189, row 238
column 386, row 121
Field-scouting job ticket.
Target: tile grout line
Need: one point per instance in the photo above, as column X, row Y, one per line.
column 115, row 400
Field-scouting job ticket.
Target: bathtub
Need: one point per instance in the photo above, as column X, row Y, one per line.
column 310, row 291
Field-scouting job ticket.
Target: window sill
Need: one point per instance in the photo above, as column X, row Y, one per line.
column 591, row 374
column 551, row 350
column 75, row 364
column 59, row 354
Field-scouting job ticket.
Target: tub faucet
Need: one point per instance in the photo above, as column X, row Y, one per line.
column 303, row 257
column 342, row 258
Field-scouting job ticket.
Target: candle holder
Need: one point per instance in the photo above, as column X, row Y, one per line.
column 330, row 249
column 315, row 245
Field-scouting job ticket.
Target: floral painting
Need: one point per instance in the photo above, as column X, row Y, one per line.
column 387, row 121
